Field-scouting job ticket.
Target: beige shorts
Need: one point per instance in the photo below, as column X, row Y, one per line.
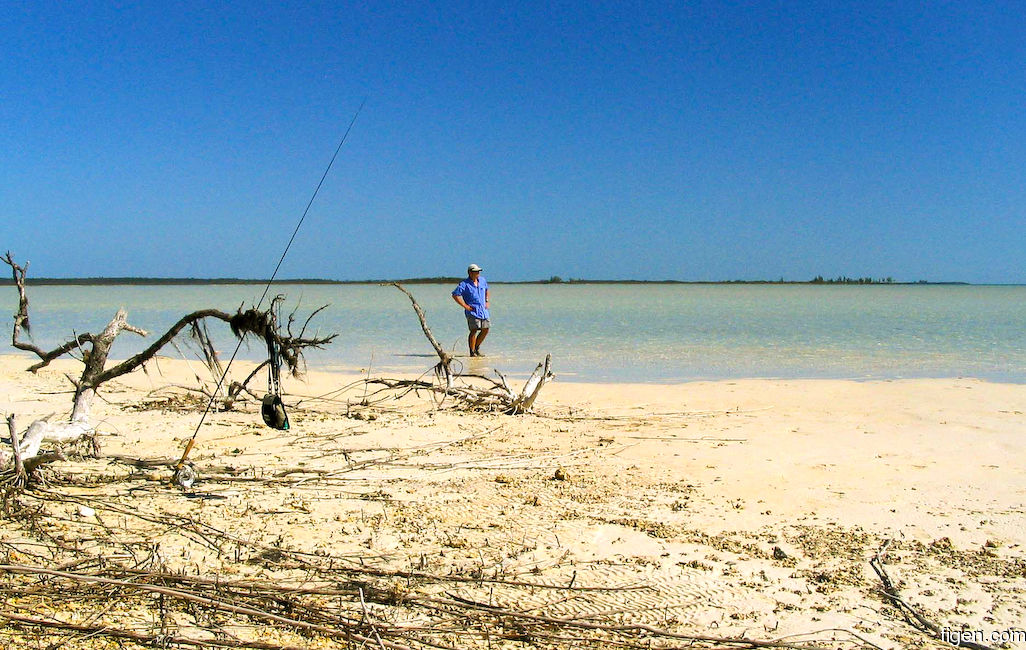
column 478, row 323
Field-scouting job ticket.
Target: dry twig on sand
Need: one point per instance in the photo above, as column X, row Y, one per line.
column 913, row 616
column 283, row 607
column 303, row 600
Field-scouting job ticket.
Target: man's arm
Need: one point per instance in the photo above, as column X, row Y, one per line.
column 462, row 303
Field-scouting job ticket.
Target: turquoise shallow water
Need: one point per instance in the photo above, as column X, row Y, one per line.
column 649, row 333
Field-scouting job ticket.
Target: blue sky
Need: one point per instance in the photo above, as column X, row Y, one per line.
column 682, row 140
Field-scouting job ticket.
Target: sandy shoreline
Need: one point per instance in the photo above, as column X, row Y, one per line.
column 747, row 507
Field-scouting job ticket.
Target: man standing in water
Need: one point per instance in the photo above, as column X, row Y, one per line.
column 472, row 295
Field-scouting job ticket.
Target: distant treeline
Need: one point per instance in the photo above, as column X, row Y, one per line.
column 819, row 279
column 555, row 279
column 846, row 280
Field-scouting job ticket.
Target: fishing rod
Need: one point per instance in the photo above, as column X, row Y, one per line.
column 184, row 474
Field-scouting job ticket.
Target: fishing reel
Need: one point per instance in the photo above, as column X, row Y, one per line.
column 185, row 476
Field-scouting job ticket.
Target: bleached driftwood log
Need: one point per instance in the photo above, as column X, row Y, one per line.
column 93, row 350
column 523, row 402
column 498, row 396
column 19, row 465
column 94, row 358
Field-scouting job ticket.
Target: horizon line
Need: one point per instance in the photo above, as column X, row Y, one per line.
column 555, row 280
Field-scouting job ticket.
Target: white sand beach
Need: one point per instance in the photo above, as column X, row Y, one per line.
column 726, row 509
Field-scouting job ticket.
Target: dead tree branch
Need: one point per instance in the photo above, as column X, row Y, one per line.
column 497, row 396
column 155, row 640
column 96, row 348
column 208, row 601
column 444, row 358
column 525, row 400
column 912, row 615
column 19, row 464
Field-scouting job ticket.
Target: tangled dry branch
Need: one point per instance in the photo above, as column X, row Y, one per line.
column 912, row 615
column 333, row 602
column 93, row 350
column 472, row 391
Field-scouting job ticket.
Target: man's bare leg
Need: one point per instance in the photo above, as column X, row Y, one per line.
column 481, row 334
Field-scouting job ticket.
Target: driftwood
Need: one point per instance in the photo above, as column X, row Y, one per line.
column 494, row 395
column 304, row 607
column 19, row 464
column 93, row 349
column 444, row 367
column 107, row 575
column 541, row 375
column 912, row 615
column 286, row 607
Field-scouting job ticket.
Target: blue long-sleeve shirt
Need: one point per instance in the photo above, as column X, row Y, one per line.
column 474, row 296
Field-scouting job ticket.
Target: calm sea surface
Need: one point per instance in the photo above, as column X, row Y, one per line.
column 649, row 333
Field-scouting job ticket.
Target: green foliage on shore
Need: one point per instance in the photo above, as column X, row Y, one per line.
column 846, row 280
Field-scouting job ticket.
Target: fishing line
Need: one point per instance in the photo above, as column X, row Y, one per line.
column 180, row 476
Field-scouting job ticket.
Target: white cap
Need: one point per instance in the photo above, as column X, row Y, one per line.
column 474, row 267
